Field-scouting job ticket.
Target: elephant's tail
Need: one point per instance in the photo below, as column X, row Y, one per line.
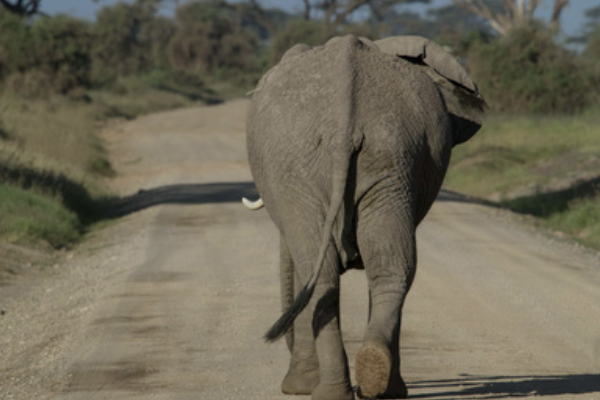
column 341, row 153
column 285, row 322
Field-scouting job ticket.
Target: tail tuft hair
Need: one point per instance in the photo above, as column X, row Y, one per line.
column 285, row 322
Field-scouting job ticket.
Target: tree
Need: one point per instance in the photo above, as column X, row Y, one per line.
column 398, row 23
column 125, row 36
column 514, row 14
column 45, row 55
column 210, row 37
column 591, row 38
column 338, row 12
column 21, row 7
column 526, row 71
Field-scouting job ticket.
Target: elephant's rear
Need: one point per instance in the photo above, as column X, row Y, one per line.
column 320, row 100
column 297, row 123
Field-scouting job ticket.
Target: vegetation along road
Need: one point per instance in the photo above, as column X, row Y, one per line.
column 171, row 301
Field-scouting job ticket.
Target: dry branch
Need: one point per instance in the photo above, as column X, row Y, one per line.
column 516, row 13
column 22, row 7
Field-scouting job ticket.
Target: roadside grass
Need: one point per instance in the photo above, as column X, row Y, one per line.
column 53, row 166
column 30, row 218
column 134, row 96
column 547, row 167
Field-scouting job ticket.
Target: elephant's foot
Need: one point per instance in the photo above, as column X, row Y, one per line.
column 300, row 382
column 302, row 376
column 374, row 373
column 333, row 392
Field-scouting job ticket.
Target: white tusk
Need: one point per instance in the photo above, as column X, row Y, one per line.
column 253, row 205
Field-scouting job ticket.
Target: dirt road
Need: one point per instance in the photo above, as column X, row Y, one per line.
column 172, row 300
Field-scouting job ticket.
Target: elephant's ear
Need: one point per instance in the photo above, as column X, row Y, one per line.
column 465, row 105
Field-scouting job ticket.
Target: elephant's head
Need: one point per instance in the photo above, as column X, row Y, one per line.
column 465, row 105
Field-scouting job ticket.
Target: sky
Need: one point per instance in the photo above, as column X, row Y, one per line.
column 572, row 20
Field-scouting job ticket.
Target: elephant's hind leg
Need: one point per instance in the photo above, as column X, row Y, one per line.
column 387, row 245
column 303, row 373
column 319, row 365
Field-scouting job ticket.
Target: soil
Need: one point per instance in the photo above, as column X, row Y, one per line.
column 172, row 299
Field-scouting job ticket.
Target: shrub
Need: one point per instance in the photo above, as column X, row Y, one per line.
column 129, row 39
column 209, row 39
column 591, row 55
column 62, row 47
column 15, row 41
column 527, row 72
column 51, row 55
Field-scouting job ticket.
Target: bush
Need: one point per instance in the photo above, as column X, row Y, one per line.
column 527, row 72
column 129, row 39
column 52, row 55
column 208, row 40
column 591, row 55
column 62, row 48
column 15, row 42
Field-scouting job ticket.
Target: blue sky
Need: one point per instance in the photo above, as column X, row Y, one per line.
column 572, row 19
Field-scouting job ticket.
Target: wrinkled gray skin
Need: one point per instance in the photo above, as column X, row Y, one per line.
column 348, row 145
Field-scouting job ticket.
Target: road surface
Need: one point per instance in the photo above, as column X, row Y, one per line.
column 171, row 301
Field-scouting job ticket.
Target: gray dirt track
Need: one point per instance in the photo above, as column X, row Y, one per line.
column 171, row 301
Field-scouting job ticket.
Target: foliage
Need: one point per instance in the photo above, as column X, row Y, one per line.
column 209, row 39
column 61, row 46
column 52, row 55
column 21, row 7
column 15, row 39
column 339, row 12
column 527, row 72
column 128, row 39
column 506, row 16
column 438, row 23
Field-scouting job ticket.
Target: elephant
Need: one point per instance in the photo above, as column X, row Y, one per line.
column 348, row 145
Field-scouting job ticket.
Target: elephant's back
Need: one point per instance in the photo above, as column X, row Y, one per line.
column 312, row 101
column 295, row 115
column 308, row 90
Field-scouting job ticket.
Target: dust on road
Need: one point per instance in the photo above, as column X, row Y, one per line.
column 172, row 301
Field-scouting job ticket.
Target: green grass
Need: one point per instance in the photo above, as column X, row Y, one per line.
column 30, row 218
column 581, row 220
column 52, row 150
column 547, row 167
column 53, row 165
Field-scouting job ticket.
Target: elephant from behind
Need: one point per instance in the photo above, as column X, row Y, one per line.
column 348, row 144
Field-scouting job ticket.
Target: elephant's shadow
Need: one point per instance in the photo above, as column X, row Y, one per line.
column 218, row 192
column 501, row 387
column 201, row 193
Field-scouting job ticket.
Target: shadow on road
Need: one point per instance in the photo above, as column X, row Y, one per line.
column 501, row 387
column 222, row 192
column 449, row 195
column 225, row 192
